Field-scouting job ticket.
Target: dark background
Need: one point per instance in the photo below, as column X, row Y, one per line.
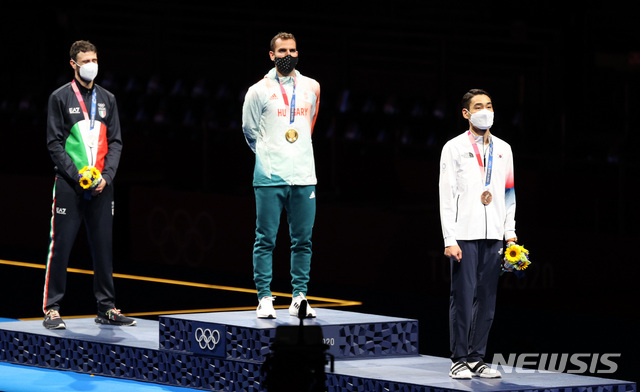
column 565, row 90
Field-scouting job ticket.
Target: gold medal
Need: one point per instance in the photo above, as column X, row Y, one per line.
column 486, row 198
column 291, row 135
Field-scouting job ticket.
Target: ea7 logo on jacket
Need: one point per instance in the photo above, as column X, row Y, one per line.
column 61, row 211
column 75, row 110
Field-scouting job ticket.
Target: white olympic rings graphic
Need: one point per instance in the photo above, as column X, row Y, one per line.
column 207, row 338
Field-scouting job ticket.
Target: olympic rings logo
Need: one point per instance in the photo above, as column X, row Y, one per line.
column 207, row 339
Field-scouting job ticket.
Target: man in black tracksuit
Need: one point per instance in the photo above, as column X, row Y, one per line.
column 83, row 132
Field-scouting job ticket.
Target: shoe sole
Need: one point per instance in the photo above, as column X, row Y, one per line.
column 100, row 320
column 61, row 326
column 488, row 376
column 269, row 316
column 459, row 377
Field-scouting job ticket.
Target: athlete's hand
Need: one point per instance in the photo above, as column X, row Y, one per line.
column 98, row 189
column 453, row 251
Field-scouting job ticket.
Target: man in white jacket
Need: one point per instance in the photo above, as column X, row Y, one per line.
column 278, row 117
column 477, row 212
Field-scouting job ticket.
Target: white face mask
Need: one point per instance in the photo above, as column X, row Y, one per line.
column 88, row 72
column 482, row 119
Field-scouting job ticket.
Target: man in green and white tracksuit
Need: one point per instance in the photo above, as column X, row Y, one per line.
column 278, row 117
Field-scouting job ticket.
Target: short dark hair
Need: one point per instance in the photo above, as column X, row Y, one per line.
column 282, row 36
column 81, row 46
column 466, row 98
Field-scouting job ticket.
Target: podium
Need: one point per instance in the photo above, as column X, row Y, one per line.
column 225, row 351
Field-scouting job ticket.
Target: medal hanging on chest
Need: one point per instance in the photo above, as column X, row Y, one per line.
column 486, row 197
column 290, row 134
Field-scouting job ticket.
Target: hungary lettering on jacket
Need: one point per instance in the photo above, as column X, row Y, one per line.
column 299, row 112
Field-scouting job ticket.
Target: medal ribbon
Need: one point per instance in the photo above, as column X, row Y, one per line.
column 292, row 107
column 92, row 120
column 489, row 165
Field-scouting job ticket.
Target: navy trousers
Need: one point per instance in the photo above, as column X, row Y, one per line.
column 70, row 208
column 472, row 301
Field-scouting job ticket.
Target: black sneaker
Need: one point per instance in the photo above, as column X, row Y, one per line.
column 114, row 317
column 52, row 320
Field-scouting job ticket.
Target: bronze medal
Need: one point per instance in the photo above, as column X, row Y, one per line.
column 486, row 198
column 291, row 135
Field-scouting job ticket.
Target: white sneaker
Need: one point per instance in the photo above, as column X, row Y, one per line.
column 295, row 305
column 483, row 370
column 265, row 308
column 460, row 371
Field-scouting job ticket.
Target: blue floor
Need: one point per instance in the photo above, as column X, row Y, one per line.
column 16, row 378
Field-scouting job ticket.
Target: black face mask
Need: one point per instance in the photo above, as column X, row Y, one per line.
column 286, row 64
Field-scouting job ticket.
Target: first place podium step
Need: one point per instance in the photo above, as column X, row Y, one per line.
column 242, row 336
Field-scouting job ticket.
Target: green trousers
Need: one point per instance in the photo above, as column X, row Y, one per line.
column 300, row 204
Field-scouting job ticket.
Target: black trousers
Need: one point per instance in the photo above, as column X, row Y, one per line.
column 70, row 208
column 472, row 302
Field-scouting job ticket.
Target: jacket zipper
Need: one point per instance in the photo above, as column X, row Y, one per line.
column 486, row 224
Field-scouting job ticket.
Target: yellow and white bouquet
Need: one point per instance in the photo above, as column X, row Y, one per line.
column 89, row 177
column 516, row 259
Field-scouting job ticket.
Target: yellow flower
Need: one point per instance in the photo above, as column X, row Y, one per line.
column 513, row 254
column 95, row 173
column 524, row 264
column 85, row 182
column 85, row 178
column 84, row 169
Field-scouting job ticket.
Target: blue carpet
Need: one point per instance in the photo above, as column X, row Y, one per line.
column 2, row 319
column 16, row 378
